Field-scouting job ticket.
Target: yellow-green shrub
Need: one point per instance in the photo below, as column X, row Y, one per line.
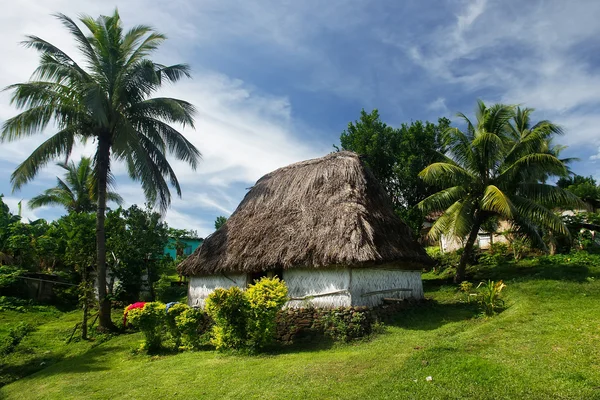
column 150, row 320
column 246, row 320
column 265, row 297
column 192, row 324
column 229, row 309
column 171, row 316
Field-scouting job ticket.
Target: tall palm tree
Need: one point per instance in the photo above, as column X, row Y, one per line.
column 78, row 191
column 489, row 172
column 106, row 99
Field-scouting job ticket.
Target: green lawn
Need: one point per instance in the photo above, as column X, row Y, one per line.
column 546, row 344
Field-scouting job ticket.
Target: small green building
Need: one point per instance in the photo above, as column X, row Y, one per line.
column 185, row 246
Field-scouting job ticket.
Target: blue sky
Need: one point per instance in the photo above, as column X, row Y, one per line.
column 275, row 82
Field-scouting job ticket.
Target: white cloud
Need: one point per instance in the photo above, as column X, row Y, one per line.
column 241, row 132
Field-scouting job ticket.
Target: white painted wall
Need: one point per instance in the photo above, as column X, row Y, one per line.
column 323, row 288
column 312, row 283
column 201, row 286
column 366, row 280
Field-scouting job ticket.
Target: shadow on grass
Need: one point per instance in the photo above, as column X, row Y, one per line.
column 302, row 344
column 432, row 315
column 524, row 270
column 45, row 364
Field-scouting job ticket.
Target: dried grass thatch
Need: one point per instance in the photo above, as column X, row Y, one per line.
column 316, row 213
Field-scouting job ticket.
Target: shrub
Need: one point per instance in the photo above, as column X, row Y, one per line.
column 229, row 309
column 345, row 325
column 265, row 297
column 15, row 335
column 442, row 260
column 166, row 292
column 192, row 325
column 173, row 311
column 14, row 303
column 246, row 320
column 488, row 296
column 150, row 321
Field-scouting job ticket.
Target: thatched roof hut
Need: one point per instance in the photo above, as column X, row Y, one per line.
column 321, row 213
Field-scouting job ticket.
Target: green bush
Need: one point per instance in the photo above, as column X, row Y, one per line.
column 444, row 261
column 229, row 309
column 14, row 304
column 266, row 297
column 167, row 293
column 150, row 320
column 15, row 335
column 172, row 313
column 193, row 327
column 345, row 325
column 246, row 320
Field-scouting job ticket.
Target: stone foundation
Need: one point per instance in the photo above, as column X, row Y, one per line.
column 295, row 324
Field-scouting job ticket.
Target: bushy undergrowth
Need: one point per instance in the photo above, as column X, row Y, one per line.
column 487, row 295
column 15, row 335
column 246, row 320
column 345, row 325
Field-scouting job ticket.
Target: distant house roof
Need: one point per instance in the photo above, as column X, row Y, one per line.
column 316, row 213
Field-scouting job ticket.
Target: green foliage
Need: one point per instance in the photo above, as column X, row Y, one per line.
column 136, row 239
column 167, row 293
column 14, row 304
column 9, row 276
column 150, row 320
column 193, row 327
column 497, row 254
column 220, row 221
column 584, row 187
column 488, row 296
column 172, row 314
column 444, row 261
column 497, row 169
column 246, row 320
column 266, row 297
column 229, row 309
column 15, row 335
column 345, row 325
column 77, row 192
column 396, row 156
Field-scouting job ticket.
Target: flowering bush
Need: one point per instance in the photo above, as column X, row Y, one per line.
column 139, row 304
column 150, row 321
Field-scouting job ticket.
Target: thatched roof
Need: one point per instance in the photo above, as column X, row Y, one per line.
column 315, row 213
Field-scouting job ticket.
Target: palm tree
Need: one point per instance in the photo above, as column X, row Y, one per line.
column 77, row 192
column 490, row 172
column 106, row 99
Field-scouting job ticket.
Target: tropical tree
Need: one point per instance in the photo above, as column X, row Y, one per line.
column 220, row 221
column 490, row 172
column 396, row 156
column 106, row 99
column 77, row 192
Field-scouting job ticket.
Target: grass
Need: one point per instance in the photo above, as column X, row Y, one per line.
column 543, row 346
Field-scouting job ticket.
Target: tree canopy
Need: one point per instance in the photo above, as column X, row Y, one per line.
column 396, row 156
column 107, row 99
column 494, row 169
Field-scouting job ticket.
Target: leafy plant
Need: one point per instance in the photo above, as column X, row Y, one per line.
column 229, row 309
column 172, row 312
column 488, row 296
column 345, row 325
column 265, row 297
column 150, row 320
column 15, row 335
column 193, row 326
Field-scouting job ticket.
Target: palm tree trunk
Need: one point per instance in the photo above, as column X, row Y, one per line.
column 468, row 251
column 103, row 159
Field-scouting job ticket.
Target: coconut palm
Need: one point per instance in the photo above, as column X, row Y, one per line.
column 77, row 192
column 106, row 99
column 490, row 172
